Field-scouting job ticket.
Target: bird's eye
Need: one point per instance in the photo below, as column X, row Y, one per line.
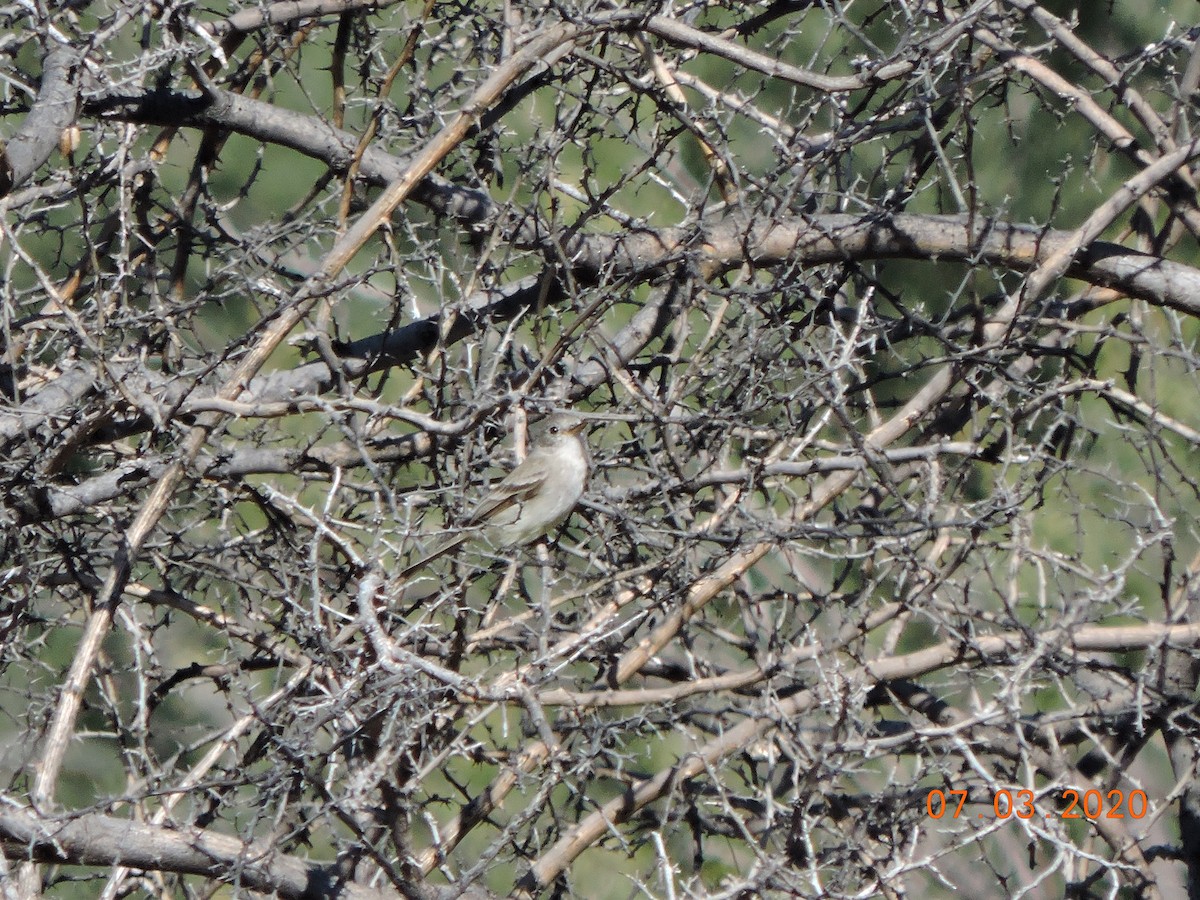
column 554, row 429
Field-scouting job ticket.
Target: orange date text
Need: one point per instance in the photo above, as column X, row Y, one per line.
column 1070, row 804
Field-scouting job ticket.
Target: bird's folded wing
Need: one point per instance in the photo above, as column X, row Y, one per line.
column 519, row 486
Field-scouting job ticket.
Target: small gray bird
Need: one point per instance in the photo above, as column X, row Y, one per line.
column 533, row 498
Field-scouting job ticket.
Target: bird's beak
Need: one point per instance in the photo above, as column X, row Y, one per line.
column 576, row 428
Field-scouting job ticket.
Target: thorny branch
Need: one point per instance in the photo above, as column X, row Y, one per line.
column 886, row 321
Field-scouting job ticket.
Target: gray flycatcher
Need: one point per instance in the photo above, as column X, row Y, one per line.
column 533, row 498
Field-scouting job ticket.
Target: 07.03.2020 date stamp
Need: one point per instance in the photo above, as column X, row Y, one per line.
column 1069, row 803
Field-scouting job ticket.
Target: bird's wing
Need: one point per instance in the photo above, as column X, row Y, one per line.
column 518, row 486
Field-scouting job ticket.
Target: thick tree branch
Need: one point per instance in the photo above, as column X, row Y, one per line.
column 95, row 839
column 52, row 113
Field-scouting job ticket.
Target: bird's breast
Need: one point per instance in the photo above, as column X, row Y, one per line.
column 529, row 519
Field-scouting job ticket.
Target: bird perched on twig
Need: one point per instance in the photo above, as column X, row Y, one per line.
column 533, row 498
